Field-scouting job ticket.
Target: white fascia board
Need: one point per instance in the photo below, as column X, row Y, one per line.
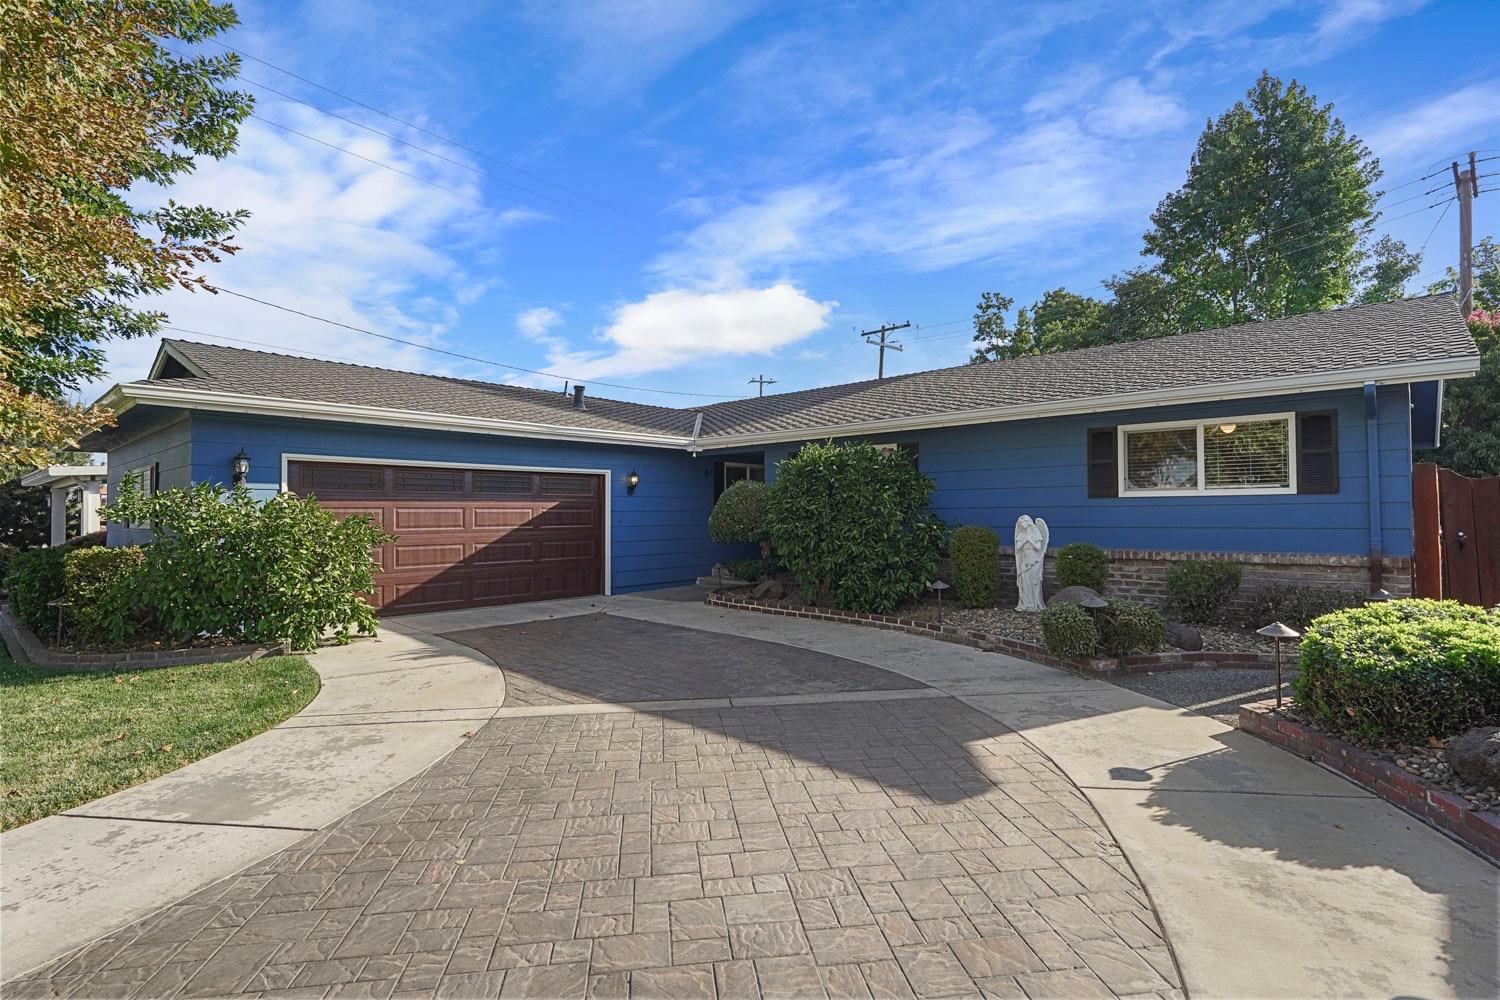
column 1453, row 368
column 56, row 473
column 122, row 397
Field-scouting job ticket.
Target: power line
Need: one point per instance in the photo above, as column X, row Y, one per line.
column 1446, row 205
column 427, row 131
column 456, row 354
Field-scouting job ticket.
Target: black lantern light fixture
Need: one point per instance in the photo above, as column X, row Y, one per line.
column 632, row 480
column 241, row 466
column 1277, row 632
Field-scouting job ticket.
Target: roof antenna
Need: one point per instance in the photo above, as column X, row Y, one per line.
column 565, row 387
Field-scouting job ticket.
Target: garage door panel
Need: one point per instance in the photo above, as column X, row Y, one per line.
column 469, row 537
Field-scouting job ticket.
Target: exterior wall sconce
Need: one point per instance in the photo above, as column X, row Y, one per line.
column 632, row 480
column 241, row 465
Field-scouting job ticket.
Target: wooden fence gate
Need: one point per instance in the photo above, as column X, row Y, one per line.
column 1457, row 535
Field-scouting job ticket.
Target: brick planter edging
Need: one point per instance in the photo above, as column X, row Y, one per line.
column 24, row 645
column 1439, row 808
column 979, row 639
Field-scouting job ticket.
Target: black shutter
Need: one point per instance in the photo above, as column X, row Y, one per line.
column 1318, row 452
column 1104, row 477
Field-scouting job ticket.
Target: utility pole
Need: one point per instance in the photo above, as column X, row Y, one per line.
column 882, row 333
column 1466, row 187
column 762, row 381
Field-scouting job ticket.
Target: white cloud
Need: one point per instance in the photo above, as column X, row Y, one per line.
column 331, row 235
column 672, row 328
column 1129, row 110
column 1440, row 126
column 536, row 322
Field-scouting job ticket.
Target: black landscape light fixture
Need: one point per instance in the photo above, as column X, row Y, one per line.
column 1277, row 632
column 632, row 480
column 937, row 587
column 241, row 465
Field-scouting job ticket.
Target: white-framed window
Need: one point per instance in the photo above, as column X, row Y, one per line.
column 1225, row 456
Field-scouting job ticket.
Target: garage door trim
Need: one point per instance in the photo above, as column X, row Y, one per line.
column 288, row 457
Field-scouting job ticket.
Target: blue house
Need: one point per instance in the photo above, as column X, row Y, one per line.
column 1286, row 445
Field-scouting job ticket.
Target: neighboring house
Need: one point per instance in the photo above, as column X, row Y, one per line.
column 1286, row 444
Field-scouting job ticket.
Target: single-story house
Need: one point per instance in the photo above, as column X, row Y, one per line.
column 1286, row 445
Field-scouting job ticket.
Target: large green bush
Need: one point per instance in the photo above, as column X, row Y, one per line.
column 849, row 522
column 739, row 515
column 105, row 586
column 1402, row 670
column 1080, row 564
column 34, row 579
column 1127, row 627
column 974, row 557
column 224, row 562
column 1296, row 605
column 751, row 570
column 1199, row 590
column 1068, row 630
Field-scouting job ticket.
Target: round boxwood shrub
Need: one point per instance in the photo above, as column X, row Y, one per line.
column 1402, row 670
column 973, row 556
column 1080, row 564
column 1068, row 630
column 739, row 515
column 34, row 579
column 1199, row 590
column 1127, row 627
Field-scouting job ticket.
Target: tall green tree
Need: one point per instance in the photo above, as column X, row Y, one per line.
column 1386, row 271
column 1145, row 303
column 1269, row 221
column 994, row 337
column 1471, row 406
column 1065, row 320
column 95, row 105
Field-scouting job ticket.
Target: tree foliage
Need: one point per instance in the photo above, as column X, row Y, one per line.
column 1471, row 406
column 95, row 105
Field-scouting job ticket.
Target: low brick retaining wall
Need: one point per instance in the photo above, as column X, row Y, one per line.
column 1103, row 667
column 1437, row 807
column 24, row 645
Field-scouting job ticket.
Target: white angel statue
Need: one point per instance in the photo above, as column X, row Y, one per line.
column 1031, row 548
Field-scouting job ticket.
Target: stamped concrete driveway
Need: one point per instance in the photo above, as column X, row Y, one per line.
column 664, row 811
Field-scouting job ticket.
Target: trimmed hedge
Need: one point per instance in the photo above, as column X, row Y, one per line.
column 739, row 514
column 1068, row 630
column 1127, row 627
column 1080, row 564
column 973, row 557
column 750, row 570
column 1199, row 590
column 34, row 579
column 104, row 585
column 1404, row 670
column 1297, row 606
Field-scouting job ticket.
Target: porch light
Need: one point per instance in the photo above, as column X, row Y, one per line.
column 241, row 466
column 1277, row 632
column 632, row 480
column 1227, row 428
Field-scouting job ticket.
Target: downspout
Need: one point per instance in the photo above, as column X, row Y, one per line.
column 697, row 429
column 1372, row 449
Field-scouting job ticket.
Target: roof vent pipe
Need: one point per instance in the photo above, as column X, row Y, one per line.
column 578, row 398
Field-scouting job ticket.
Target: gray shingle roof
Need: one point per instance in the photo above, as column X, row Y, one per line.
column 1416, row 330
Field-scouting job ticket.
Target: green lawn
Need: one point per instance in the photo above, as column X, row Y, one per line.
column 68, row 738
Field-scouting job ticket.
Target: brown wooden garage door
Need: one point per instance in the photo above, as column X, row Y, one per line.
column 469, row 537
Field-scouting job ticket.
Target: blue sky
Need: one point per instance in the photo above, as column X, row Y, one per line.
column 681, row 194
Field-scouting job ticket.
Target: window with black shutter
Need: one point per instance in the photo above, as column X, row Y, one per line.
column 1318, row 452
column 1104, row 479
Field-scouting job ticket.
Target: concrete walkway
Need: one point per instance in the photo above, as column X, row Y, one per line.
column 388, row 708
column 1272, row 876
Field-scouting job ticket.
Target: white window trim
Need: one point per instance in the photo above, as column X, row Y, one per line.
column 1203, row 490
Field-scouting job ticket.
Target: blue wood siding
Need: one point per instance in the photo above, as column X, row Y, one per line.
column 170, row 448
column 659, row 536
column 990, row 474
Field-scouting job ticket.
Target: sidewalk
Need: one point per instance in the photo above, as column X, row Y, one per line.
column 389, row 707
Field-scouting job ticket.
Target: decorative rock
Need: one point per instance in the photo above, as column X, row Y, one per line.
column 1184, row 636
column 769, row 589
column 1475, row 756
column 1071, row 595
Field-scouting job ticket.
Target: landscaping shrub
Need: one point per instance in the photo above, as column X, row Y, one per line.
column 226, row 563
column 7, row 553
column 104, row 585
column 848, row 521
column 1402, row 670
column 34, row 579
column 1198, row 591
column 974, row 558
column 1297, row 606
column 739, row 514
column 1127, row 627
column 1068, row 630
column 1080, row 564
column 750, row 570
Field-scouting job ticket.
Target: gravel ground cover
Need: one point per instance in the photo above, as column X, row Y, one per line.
column 1217, row 693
